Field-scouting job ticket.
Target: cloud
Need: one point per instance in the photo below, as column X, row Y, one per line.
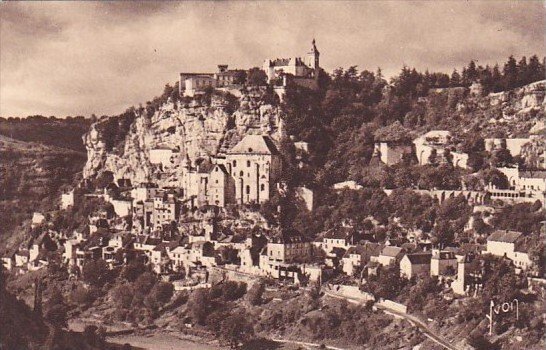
column 64, row 58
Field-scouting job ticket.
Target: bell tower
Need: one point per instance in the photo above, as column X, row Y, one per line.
column 313, row 57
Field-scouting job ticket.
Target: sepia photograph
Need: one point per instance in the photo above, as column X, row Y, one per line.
column 273, row 175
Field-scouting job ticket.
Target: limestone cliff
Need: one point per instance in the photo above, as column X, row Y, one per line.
column 511, row 114
column 189, row 128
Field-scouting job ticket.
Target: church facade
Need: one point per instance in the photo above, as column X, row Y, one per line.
column 247, row 174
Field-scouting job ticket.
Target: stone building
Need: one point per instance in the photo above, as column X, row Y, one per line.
column 255, row 164
column 509, row 244
column 415, row 264
column 435, row 146
column 194, row 83
column 392, row 153
column 442, row 262
column 206, row 183
column 303, row 71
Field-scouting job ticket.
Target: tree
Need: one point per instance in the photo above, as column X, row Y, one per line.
column 82, row 295
column 510, row 74
column 256, row 77
column 535, row 69
column 443, row 233
column 133, row 270
column 160, row 294
column 240, row 77
column 236, row 330
column 197, row 306
column 145, row 282
column 470, row 73
column 496, row 79
column 123, row 295
column 254, row 295
column 501, row 158
column 494, row 177
column 433, row 157
column 523, row 72
column 388, row 284
column 455, row 80
column 56, row 309
column 96, row 272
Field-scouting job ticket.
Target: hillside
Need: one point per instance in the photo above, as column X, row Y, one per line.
column 65, row 133
column 32, row 176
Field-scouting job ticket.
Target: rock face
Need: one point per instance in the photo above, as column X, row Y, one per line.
column 521, row 99
column 190, row 130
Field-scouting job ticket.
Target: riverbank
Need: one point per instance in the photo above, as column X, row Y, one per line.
column 160, row 341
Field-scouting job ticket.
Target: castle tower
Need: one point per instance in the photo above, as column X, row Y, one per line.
column 459, row 285
column 313, row 58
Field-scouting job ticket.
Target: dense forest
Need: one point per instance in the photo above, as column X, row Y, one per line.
column 343, row 119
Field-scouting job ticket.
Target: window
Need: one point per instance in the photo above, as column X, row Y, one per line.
column 247, row 189
column 234, row 163
column 262, row 187
column 248, row 163
column 241, row 173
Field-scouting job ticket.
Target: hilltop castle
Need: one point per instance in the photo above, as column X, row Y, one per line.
column 280, row 72
column 303, row 71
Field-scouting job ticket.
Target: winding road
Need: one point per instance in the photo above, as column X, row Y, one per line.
column 423, row 327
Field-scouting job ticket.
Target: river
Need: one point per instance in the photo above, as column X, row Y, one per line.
column 159, row 341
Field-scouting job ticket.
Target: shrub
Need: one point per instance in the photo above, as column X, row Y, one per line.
column 82, row 295
column 255, row 293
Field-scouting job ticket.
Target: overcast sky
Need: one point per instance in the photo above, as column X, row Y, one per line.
column 72, row 58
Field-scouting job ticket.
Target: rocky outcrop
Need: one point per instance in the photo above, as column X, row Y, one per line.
column 189, row 129
column 521, row 99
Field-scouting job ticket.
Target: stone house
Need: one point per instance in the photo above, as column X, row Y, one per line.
column 415, row 264
column 191, row 84
column 509, row 244
column 8, row 262
column 358, row 256
column 389, row 255
column 191, row 255
column 337, row 237
column 392, row 153
column 67, row 199
column 442, row 262
column 208, row 184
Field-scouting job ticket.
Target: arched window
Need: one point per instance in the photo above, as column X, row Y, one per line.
column 241, row 173
column 248, row 163
column 262, row 187
column 234, row 163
